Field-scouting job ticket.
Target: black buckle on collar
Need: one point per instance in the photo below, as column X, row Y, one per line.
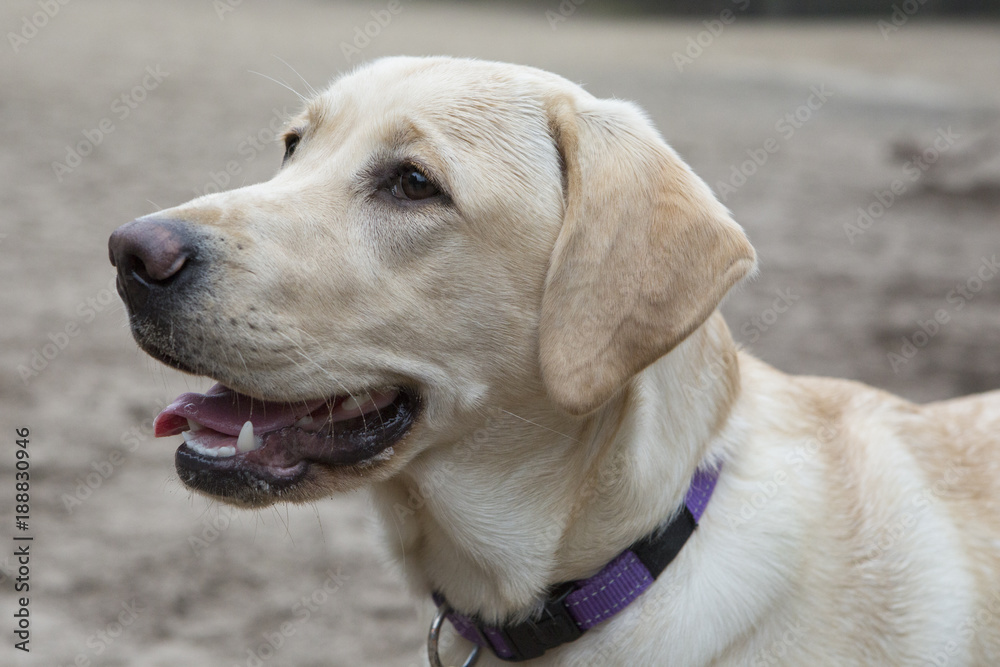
column 552, row 628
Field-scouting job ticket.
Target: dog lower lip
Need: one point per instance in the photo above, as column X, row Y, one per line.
column 286, row 454
column 165, row 357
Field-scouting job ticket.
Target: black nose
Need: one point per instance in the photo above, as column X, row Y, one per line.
column 150, row 255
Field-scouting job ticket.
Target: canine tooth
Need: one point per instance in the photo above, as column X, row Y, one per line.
column 194, row 426
column 247, row 442
column 305, row 421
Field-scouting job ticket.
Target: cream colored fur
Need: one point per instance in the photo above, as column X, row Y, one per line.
column 557, row 316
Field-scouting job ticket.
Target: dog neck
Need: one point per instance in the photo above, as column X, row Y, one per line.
column 534, row 497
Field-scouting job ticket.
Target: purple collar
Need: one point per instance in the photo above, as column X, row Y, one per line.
column 576, row 606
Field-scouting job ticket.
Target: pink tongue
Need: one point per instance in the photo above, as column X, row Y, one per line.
column 222, row 409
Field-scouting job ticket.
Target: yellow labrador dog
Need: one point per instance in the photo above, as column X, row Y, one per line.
column 492, row 297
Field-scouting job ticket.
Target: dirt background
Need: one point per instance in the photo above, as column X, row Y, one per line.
column 113, row 528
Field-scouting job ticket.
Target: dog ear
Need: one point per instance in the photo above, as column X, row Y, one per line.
column 644, row 256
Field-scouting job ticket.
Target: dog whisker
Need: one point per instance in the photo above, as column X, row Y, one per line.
column 539, row 425
column 301, row 97
column 312, row 91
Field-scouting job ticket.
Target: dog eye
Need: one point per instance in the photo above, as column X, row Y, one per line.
column 414, row 185
column 291, row 141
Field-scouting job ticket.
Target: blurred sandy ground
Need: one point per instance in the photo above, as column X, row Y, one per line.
column 210, row 587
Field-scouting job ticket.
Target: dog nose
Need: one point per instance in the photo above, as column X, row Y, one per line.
column 149, row 254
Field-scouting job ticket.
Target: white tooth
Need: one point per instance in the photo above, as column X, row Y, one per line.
column 246, row 442
column 194, row 426
column 305, row 421
column 361, row 405
column 214, row 452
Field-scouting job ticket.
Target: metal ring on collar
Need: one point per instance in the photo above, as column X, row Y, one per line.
column 432, row 640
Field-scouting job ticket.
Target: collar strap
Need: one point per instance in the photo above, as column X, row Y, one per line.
column 574, row 607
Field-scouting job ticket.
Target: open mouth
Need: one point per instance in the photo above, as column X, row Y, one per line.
column 245, row 449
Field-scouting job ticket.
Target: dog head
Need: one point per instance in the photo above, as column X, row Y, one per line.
column 443, row 236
